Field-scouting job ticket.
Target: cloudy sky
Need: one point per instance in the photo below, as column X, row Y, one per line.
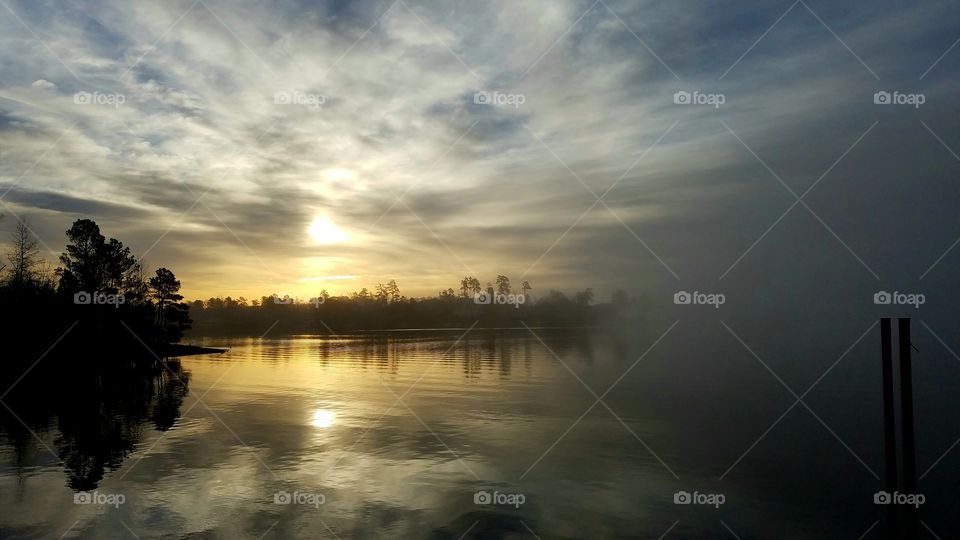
column 257, row 147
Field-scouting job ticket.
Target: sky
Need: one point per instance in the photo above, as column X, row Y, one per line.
column 287, row 147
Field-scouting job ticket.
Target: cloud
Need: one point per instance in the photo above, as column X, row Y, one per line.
column 203, row 154
column 43, row 84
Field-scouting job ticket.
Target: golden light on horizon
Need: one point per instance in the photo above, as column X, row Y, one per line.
column 323, row 418
column 323, row 232
column 329, row 278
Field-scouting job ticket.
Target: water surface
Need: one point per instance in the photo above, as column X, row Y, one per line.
column 393, row 435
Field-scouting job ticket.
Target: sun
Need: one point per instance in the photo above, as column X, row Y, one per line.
column 323, row 232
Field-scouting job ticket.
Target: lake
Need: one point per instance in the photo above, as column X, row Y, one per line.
column 476, row 434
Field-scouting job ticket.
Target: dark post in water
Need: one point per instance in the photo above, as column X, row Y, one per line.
column 906, row 412
column 889, row 430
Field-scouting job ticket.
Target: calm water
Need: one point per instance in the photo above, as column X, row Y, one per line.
column 394, row 435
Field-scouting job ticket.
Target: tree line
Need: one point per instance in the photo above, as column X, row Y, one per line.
column 106, row 292
column 497, row 305
column 100, row 293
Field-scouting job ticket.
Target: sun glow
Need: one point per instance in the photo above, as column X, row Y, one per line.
column 340, row 175
column 324, row 232
column 323, row 418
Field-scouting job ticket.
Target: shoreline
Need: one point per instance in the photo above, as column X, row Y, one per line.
column 176, row 349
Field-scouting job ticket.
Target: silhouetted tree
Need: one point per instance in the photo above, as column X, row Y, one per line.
column 92, row 264
column 117, row 302
column 136, row 289
column 165, row 288
column 469, row 286
column 447, row 295
column 24, row 257
column 503, row 284
column 172, row 314
column 363, row 295
column 389, row 292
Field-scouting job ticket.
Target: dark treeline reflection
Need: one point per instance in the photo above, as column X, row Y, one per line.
column 477, row 352
column 97, row 415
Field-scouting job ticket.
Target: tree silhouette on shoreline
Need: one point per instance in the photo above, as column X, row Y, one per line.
column 103, row 288
column 388, row 309
column 98, row 292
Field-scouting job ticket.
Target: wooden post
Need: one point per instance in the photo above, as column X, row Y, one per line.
column 889, row 432
column 906, row 413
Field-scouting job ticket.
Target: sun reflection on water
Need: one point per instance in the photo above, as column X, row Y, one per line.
column 323, row 418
